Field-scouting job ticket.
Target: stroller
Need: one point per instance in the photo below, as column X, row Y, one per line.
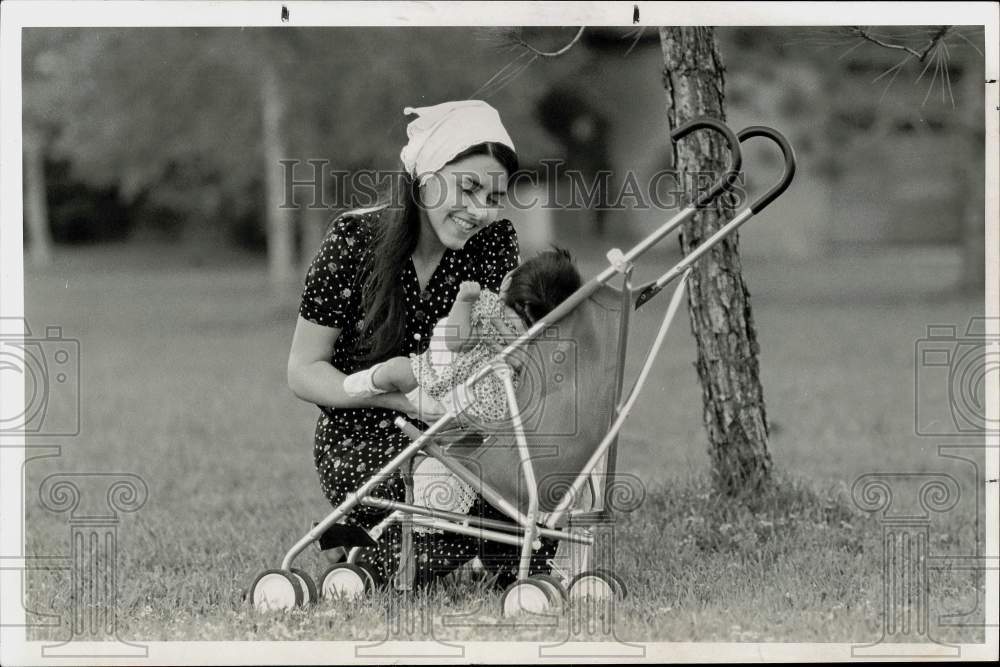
column 563, row 430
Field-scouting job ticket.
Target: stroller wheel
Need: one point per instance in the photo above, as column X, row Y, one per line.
column 345, row 580
column 556, row 589
column 309, row 592
column 528, row 596
column 592, row 584
column 621, row 590
column 275, row 589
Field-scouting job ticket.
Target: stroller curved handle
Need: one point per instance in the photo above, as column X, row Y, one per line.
column 787, row 153
column 729, row 178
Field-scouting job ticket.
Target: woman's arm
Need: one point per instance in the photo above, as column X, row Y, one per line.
column 314, row 379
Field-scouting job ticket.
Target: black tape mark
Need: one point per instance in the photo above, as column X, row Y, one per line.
column 635, row 13
column 284, row 14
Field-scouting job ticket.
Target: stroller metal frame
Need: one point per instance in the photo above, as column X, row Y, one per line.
column 532, row 524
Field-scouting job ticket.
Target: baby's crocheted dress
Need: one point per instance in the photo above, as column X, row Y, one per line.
column 438, row 372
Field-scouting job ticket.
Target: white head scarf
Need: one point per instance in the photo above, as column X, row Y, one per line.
column 442, row 131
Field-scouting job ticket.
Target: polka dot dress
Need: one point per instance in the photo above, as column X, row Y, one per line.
column 351, row 445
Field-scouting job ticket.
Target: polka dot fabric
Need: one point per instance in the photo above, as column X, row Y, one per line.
column 351, row 445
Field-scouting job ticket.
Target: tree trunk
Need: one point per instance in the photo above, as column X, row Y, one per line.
column 280, row 222
column 313, row 226
column 718, row 300
column 36, row 209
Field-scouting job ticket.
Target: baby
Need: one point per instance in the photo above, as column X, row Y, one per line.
column 479, row 325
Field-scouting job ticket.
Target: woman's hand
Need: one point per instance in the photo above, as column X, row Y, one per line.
column 394, row 401
column 426, row 411
column 468, row 290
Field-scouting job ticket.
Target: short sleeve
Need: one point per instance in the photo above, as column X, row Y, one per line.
column 329, row 297
column 498, row 253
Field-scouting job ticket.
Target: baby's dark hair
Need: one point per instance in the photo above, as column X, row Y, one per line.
column 541, row 283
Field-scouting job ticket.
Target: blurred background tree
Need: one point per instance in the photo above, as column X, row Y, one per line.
column 181, row 134
column 170, row 134
column 951, row 66
column 901, row 137
column 189, row 125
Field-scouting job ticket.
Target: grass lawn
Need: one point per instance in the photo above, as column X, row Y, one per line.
column 183, row 383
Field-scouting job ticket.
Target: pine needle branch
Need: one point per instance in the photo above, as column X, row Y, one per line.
column 932, row 42
column 551, row 54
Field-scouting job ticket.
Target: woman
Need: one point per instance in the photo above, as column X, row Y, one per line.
column 381, row 280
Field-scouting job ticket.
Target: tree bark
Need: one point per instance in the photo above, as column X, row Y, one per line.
column 36, row 209
column 280, row 222
column 718, row 299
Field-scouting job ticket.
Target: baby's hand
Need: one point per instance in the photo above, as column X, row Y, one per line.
column 468, row 290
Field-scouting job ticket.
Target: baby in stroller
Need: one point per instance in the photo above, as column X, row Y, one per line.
column 479, row 325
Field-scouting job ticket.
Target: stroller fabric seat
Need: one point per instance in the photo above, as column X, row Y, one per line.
column 566, row 395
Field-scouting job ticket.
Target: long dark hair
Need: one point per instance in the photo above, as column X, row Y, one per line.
column 394, row 240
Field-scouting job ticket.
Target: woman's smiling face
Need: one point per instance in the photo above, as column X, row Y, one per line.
column 463, row 198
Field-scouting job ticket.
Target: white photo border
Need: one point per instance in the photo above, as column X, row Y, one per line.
column 16, row 14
